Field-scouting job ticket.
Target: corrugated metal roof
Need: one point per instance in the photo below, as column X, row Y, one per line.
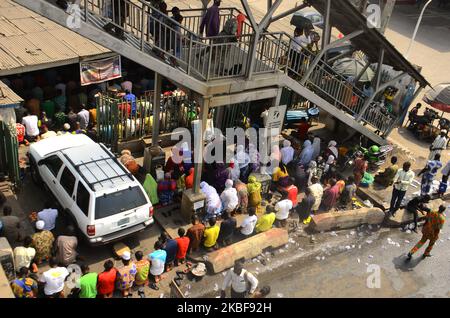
column 7, row 96
column 30, row 40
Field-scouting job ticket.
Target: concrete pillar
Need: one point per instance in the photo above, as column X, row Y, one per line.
column 156, row 109
column 327, row 28
column 380, row 66
column 199, row 143
column 386, row 14
column 220, row 111
column 277, row 100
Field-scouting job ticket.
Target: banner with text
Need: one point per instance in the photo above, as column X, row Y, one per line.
column 99, row 71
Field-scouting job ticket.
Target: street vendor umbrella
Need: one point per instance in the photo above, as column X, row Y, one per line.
column 301, row 22
column 439, row 97
column 351, row 67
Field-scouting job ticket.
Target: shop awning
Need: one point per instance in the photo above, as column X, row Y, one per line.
column 347, row 19
column 8, row 99
column 30, row 42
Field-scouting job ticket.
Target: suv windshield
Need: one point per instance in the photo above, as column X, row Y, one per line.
column 117, row 202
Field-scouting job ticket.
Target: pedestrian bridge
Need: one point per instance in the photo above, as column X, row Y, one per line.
column 218, row 67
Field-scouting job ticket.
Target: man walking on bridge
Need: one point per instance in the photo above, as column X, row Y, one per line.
column 211, row 20
column 434, row 222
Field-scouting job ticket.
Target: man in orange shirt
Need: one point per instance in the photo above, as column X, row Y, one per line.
column 183, row 245
column 195, row 234
column 189, row 181
column 433, row 225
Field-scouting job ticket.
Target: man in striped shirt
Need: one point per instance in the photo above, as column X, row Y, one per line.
column 433, row 225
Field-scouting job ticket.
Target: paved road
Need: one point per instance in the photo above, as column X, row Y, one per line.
column 347, row 274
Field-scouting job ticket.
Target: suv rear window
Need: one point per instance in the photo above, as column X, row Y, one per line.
column 117, row 202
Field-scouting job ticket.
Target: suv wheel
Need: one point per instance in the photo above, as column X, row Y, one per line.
column 70, row 221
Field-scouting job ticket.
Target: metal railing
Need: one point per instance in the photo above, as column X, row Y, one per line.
column 119, row 119
column 224, row 56
column 9, row 154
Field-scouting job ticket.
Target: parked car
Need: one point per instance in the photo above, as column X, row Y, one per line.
column 96, row 192
column 315, row 17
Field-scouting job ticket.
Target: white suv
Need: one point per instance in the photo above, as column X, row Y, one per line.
column 99, row 194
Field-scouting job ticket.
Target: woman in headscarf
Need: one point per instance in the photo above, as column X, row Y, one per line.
column 242, row 192
column 186, row 154
column 330, row 196
column 316, row 147
column 341, row 185
column 129, row 162
column 213, row 202
column 173, row 160
column 229, row 197
column 360, row 168
column 166, row 189
column 254, row 158
column 233, row 170
column 254, row 192
column 306, row 154
column 151, row 188
column 329, row 169
column 332, row 150
column 276, row 153
column 287, row 152
column 317, row 191
column 220, row 177
column 321, row 164
column 280, row 175
column 243, row 160
column 311, row 172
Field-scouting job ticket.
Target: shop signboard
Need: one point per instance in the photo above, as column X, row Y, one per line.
column 98, row 71
column 275, row 120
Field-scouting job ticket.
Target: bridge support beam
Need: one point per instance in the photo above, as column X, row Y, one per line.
column 324, row 50
column 156, row 109
column 199, row 143
column 380, row 89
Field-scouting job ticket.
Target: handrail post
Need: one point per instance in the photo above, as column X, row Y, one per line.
column 189, row 55
column 85, row 11
column 208, row 68
column 252, row 55
column 142, row 26
column 277, row 53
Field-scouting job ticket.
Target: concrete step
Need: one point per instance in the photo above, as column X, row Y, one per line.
column 224, row 258
column 346, row 219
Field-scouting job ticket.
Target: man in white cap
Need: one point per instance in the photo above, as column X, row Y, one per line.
column 439, row 144
column 126, row 275
column 42, row 241
column 66, row 130
column 48, row 215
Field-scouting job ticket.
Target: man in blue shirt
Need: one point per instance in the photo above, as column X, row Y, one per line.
column 157, row 260
column 171, row 248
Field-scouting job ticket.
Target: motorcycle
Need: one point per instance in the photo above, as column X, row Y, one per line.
column 375, row 156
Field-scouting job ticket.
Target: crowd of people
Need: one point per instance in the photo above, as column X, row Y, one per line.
column 55, row 103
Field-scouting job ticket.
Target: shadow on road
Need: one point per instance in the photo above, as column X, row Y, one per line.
column 401, row 263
